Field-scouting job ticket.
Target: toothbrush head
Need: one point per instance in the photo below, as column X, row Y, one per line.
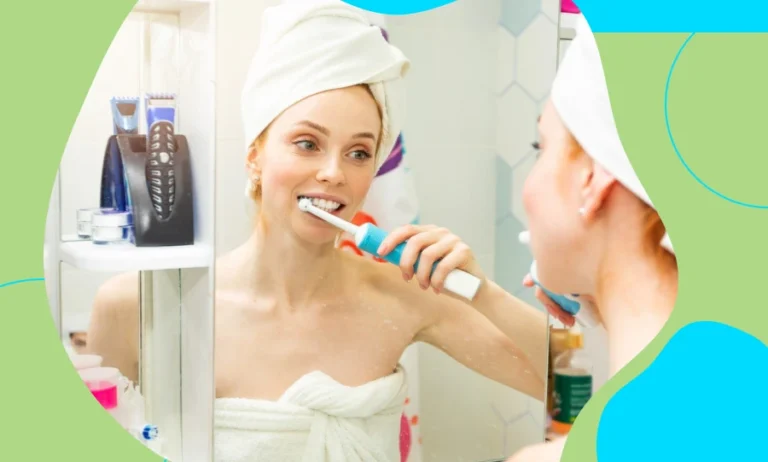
column 305, row 204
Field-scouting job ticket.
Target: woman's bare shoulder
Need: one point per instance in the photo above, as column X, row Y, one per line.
column 119, row 292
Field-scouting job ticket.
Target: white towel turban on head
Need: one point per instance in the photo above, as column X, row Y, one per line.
column 580, row 95
column 311, row 46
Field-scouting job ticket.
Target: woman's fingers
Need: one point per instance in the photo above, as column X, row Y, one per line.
column 554, row 309
column 528, row 280
column 433, row 253
column 400, row 235
column 460, row 257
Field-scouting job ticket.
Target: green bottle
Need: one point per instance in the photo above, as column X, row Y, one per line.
column 572, row 383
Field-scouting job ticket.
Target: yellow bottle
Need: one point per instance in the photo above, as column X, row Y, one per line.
column 572, row 383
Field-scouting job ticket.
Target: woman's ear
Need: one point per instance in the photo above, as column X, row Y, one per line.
column 597, row 185
column 252, row 161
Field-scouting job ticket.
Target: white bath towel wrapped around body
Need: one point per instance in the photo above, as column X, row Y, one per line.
column 316, row 420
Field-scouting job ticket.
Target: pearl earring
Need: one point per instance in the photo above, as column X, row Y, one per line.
column 582, row 211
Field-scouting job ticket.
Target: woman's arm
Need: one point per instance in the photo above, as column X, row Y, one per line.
column 506, row 338
column 475, row 342
column 525, row 325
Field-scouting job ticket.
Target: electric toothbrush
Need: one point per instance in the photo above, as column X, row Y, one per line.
column 583, row 312
column 368, row 238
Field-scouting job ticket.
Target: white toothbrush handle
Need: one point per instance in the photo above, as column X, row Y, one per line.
column 462, row 284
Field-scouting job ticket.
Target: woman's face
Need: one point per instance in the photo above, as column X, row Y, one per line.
column 552, row 196
column 323, row 148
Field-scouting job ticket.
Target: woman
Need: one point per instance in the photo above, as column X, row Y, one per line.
column 589, row 214
column 308, row 337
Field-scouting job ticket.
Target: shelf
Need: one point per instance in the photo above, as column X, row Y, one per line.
column 86, row 255
column 568, row 25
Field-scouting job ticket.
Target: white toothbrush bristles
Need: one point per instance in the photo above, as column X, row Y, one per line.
column 305, row 205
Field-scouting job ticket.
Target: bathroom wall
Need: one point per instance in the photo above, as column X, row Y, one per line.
column 470, row 125
column 239, row 26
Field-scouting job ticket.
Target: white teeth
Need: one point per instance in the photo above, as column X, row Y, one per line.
column 327, row 205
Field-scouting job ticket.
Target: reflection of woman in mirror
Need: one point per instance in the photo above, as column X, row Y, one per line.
column 308, row 336
column 589, row 214
column 76, row 332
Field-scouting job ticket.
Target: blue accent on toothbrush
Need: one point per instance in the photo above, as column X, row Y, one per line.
column 568, row 305
column 372, row 237
column 571, row 306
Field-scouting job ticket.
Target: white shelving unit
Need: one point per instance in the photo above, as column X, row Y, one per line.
column 566, row 32
column 568, row 25
column 164, row 46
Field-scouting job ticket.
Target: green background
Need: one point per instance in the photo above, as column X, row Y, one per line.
column 51, row 52
column 716, row 107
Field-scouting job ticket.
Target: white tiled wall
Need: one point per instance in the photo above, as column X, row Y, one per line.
column 527, row 57
column 239, row 27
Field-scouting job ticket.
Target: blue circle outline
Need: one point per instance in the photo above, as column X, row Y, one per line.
column 20, row 281
column 672, row 139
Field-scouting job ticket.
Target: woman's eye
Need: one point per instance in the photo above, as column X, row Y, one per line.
column 305, row 144
column 361, row 155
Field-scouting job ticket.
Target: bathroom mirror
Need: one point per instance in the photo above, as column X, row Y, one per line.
column 479, row 76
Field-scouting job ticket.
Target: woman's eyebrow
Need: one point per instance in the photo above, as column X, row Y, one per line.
column 317, row 127
column 327, row 132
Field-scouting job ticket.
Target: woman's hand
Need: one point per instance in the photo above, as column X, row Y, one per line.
column 428, row 244
column 552, row 307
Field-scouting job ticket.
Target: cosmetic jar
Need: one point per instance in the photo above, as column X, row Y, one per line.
column 84, row 217
column 82, row 362
column 102, row 382
column 111, row 226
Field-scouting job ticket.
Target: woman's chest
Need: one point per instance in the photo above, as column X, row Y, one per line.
column 259, row 355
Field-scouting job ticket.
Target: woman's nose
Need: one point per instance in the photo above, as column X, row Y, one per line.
column 331, row 172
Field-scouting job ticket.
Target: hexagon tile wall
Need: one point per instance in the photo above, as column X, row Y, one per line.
column 527, row 62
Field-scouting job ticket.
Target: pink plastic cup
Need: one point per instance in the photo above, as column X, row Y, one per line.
column 102, row 381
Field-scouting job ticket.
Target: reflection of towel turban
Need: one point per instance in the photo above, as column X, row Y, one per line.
column 76, row 322
column 308, row 47
column 580, row 94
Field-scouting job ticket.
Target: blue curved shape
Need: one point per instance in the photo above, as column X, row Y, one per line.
column 674, row 145
column 678, row 16
column 398, row 7
column 20, row 281
column 699, row 400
